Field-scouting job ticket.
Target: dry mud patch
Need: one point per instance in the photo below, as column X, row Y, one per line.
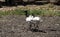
column 15, row 26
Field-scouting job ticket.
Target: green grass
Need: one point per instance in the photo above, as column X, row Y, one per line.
column 45, row 12
column 40, row 12
column 12, row 12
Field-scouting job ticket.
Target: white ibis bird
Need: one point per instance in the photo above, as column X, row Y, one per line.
column 30, row 18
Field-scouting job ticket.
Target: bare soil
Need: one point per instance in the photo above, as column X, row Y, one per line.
column 16, row 26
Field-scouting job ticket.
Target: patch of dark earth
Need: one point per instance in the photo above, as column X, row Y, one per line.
column 16, row 26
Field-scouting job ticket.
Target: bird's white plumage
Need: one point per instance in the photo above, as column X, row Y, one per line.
column 36, row 18
column 29, row 18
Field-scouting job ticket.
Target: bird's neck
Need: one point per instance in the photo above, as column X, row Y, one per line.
column 27, row 15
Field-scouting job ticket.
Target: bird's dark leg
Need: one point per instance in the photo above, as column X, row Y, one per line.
column 34, row 25
column 37, row 25
column 29, row 28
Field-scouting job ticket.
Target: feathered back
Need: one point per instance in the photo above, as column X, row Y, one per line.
column 36, row 18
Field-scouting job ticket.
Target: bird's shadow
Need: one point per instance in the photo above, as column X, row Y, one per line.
column 37, row 30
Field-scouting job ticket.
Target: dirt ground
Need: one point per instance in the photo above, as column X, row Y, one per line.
column 15, row 26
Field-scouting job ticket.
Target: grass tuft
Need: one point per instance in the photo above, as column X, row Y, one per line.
column 41, row 12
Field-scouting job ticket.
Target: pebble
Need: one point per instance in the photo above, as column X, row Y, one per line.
column 57, row 24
